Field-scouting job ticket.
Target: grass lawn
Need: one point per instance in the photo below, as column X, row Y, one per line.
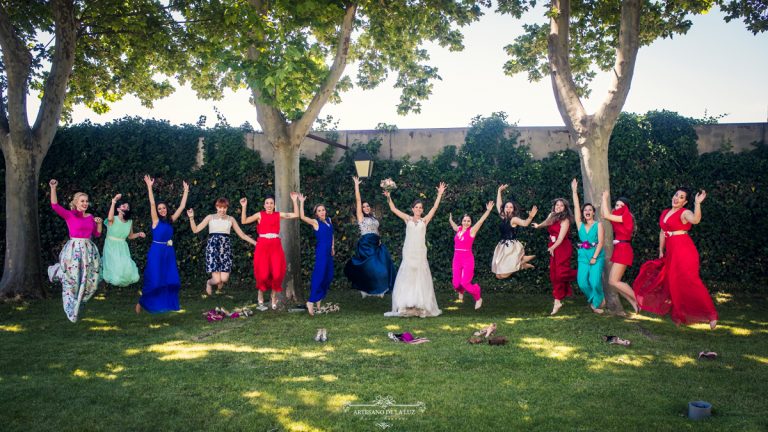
column 115, row 370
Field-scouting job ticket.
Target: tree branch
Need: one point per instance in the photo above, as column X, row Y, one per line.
column 18, row 63
column 624, row 66
column 568, row 101
column 55, row 88
column 300, row 128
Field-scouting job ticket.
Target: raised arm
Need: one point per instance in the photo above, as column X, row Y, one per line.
column 440, row 191
column 244, row 219
column 564, row 225
column 498, row 197
column 295, row 213
column 453, row 224
column 240, row 233
column 305, row 219
column 111, row 214
column 527, row 221
column 54, row 196
column 479, row 224
column 358, row 200
column 177, row 214
column 195, row 227
column 394, row 209
column 576, row 206
column 605, row 210
column 152, row 208
column 694, row 217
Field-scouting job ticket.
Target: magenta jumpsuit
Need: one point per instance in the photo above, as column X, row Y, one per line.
column 464, row 264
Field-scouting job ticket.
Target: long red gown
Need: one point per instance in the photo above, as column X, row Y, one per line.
column 560, row 272
column 269, row 259
column 673, row 284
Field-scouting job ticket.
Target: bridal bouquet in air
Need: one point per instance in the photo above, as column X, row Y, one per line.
column 388, row 184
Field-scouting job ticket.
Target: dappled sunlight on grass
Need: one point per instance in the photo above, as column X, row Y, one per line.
column 452, row 328
column 640, row 317
column 104, row 328
column 335, row 403
column 759, row 359
column 560, row 317
column 224, row 412
column 12, row 328
column 20, row 308
column 375, row 352
column 157, row 326
column 266, row 403
column 513, row 321
column 309, row 397
column 392, row 327
column 297, row 379
column 110, row 374
column 736, row 331
column 99, row 297
column 94, row 320
column 633, row 360
column 180, row 350
column 723, row 298
column 547, row 348
column 760, row 323
column 679, row 360
column 451, row 308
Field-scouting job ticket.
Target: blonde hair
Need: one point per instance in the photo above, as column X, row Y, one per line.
column 72, row 204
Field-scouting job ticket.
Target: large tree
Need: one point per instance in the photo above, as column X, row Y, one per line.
column 291, row 55
column 90, row 52
column 584, row 35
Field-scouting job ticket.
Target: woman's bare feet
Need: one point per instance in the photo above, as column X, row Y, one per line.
column 556, row 307
column 311, row 308
column 461, row 297
column 598, row 311
column 208, row 288
column 478, row 304
column 137, row 308
column 713, row 324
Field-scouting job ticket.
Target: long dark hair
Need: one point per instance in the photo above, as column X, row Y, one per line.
column 688, row 200
column 565, row 214
column 167, row 210
column 515, row 209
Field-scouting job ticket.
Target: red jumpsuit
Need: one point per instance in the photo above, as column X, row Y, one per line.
column 268, row 258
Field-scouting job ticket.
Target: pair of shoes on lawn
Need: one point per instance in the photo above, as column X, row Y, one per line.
column 486, row 332
column 615, row 340
column 322, row 335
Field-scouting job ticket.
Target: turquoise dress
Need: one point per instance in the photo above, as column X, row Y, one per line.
column 590, row 276
column 118, row 268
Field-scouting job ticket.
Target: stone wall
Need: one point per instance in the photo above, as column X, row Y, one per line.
column 542, row 140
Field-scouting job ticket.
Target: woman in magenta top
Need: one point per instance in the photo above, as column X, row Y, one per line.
column 623, row 224
column 463, row 259
column 79, row 260
column 269, row 264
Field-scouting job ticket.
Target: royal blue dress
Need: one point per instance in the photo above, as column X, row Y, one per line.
column 323, row 272
column 161, row 276
column 371, row 268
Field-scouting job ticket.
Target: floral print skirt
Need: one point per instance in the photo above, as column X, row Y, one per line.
column 78, row 271
column 218, row 254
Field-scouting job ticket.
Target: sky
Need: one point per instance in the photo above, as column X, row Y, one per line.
column 717, row 68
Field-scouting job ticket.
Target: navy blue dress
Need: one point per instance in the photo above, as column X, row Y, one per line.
column 371, row 268
column 323, row 272
column 161, row 276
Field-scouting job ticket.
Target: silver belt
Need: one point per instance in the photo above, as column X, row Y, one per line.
column 269, row 235
column 115, row 238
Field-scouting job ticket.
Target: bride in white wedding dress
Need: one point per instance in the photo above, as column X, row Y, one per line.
column 414, row 293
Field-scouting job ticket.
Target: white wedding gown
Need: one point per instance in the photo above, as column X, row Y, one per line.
column 414, row 293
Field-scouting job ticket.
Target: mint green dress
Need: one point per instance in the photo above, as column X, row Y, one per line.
column 589, row 276
column 117, row 265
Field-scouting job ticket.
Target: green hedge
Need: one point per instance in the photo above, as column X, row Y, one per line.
column 650, row 156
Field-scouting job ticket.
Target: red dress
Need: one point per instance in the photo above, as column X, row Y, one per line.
column 268, row 258
column 622, row 231
column 560, row 272
column 677, row 287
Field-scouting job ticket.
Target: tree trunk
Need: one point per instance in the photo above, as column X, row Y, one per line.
column 593, row 155
column 22, row 271
column 287, row 181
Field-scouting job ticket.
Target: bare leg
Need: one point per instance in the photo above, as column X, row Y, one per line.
column 556, row 306
column 311, row 308
column 223, row 278
column 137, row 308
column 614, row 279
column 503, row 276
